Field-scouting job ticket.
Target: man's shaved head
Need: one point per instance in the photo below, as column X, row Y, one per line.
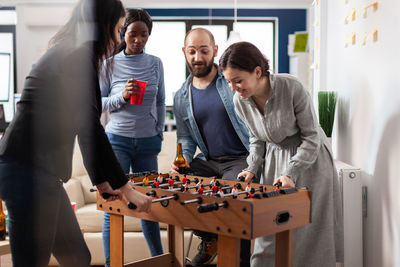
column 200, row 30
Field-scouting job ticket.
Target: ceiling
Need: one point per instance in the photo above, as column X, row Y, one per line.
column 181, row 3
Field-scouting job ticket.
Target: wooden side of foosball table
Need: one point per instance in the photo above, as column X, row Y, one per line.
column 234, row 221
column 265, row 213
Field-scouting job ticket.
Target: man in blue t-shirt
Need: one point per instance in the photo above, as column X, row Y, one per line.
column 205, row 118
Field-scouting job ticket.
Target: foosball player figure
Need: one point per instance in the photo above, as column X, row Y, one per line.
column 156, row 184
column 277, row 186
column 220, row 193
column 171, row 183
column 200, row 190
column 145, row 181
column 248, row 187
column 184, row 179
column 234, row 191
column 213, row 181
column 160, row 179
column 186, row 184
column 199, row 184
column 214, row 188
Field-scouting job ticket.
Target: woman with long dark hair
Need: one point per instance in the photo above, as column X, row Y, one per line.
column 61, row 100
column 135, row 131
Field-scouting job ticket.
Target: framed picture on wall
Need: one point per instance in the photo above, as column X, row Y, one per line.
column 5, row 72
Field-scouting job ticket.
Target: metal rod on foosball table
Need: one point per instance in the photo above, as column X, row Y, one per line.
column 174, row 196
column 198, row 200
column 152, row 193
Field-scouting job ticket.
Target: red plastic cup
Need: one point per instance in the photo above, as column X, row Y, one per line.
column 73, row 204
column 138, row 99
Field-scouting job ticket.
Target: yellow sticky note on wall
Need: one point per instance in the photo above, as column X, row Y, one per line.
column 300, row 42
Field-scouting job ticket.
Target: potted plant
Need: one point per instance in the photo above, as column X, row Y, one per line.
column 326, row 110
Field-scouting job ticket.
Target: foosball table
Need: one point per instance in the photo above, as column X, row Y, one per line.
column 232, row 209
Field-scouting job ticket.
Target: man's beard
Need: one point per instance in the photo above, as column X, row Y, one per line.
column 202, row 72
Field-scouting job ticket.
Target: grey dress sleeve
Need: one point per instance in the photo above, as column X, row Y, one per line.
column 307, row 152
column 257, row 146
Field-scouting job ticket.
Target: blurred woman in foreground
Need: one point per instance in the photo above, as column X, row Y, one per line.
column 61, row 100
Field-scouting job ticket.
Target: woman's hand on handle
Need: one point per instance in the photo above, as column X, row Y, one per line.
column 285, row 180
column 248, row 176
column 105, row 188
column 142, row 202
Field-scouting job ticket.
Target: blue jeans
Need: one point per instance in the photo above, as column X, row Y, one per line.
column 41, row 219
column 141, row 155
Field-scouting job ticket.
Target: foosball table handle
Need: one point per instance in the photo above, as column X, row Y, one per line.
column 131, row 206
column 212, row 206
column 107, row 195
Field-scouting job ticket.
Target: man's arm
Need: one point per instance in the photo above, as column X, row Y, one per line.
column 183, row 132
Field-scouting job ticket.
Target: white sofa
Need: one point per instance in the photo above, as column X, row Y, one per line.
column 90, row 219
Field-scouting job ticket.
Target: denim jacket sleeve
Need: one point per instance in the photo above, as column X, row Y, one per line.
column 183, row 132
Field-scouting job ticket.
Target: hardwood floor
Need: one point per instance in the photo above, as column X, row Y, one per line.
column 6, row 262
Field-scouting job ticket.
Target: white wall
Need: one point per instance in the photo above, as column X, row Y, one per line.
column 367, row 131
column 36, row 24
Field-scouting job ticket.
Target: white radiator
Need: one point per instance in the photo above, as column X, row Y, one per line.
column 351, row 189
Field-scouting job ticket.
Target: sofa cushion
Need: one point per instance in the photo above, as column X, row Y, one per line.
column 78, row 168
column 91, row 220
column 168, row 152
column 74, row 191
column 86, row 183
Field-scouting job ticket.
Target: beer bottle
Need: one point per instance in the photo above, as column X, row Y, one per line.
column 2, row 222
column 180, row 160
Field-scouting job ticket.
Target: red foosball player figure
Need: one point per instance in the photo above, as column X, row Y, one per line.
column 184, row 179
column 171, row 183
column 145, row 181
column 156, row 184
column 200, row 190
column 248, row 188
column 234, row 191
column 220, row 192
column 250, row 195
column 214, row 188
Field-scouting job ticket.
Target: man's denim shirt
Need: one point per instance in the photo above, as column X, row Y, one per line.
column 186, row 128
